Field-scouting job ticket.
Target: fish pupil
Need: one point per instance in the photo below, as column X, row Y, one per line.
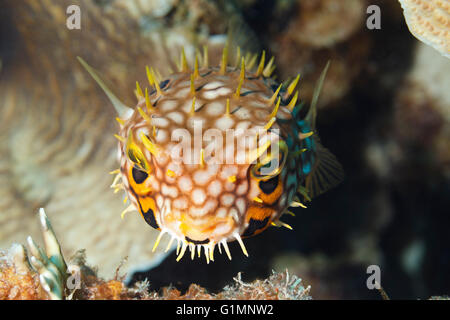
column 269, row 186
column 138, row 175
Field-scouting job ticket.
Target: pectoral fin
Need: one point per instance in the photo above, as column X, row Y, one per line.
column 327, row 172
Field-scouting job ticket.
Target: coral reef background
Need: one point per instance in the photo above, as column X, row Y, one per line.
column 19, row 281
column 384, row 112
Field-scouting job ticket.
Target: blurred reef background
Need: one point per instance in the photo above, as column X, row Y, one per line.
column 384, row 111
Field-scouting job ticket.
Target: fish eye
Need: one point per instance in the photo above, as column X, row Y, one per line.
column 269, row 186
column 270, row 165
column 139, row 176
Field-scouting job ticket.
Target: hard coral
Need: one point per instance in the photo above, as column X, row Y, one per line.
column 279, row 286
column 47, row 265
column 46, row 278
column 325, row 23
column 429, row 21
column 16, row 284
column 318, row 31
column 422, row 113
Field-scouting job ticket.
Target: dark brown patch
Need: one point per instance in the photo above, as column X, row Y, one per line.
column 197, row 241
column 149, row 217
column 255, row 225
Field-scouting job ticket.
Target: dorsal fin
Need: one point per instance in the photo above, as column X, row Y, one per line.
column 327, row 172
column 312, row 112
column 120, row 107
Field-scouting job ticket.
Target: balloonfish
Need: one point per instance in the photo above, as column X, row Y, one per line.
column 213, row 154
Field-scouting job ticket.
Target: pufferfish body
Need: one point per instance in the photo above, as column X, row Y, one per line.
column 216, row 154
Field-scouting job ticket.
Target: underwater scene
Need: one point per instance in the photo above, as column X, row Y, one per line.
column 224, row 149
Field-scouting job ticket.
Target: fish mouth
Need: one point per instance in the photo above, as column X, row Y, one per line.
column 195, row 246
column 197, row 235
